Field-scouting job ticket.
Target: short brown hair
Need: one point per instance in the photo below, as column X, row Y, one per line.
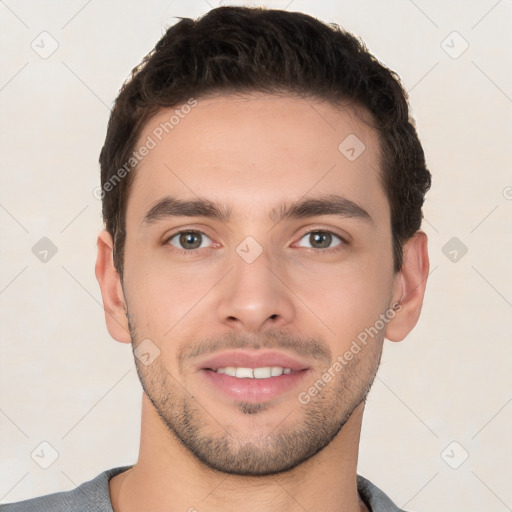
column 242, row 49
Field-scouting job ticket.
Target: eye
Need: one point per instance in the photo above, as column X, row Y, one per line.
column 321, row 239
column 189, row 240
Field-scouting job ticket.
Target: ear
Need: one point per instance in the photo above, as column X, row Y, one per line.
column 114, row 302
column 409, row 287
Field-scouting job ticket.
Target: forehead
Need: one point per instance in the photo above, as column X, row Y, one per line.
column 252, row 153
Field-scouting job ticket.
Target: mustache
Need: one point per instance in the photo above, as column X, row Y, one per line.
column 310, row 347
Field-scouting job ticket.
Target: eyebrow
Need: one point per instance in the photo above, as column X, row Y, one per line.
column 331, row 204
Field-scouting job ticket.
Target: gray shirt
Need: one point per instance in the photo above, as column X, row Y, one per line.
column 93, row 496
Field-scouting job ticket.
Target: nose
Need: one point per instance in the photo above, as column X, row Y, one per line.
column 255, row 295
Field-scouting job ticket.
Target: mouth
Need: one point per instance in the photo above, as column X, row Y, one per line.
column 252, row 377
column 265, row 372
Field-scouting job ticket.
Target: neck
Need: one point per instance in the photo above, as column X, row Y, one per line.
column 167, row 477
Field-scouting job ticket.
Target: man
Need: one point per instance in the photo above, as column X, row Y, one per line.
column 262, row 187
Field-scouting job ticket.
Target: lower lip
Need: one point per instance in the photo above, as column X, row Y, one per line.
column 254, row 390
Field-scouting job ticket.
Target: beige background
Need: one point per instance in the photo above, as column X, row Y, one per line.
column 64, row 381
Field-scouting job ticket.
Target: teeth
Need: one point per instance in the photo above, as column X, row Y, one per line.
column 244, row 373
column 276, row 371
column 256, row 373
column 262, row 373
column 228, row 371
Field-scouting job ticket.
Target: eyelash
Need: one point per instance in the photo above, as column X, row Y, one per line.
column 189, row 252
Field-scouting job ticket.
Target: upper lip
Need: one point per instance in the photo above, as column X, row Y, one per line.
column 246, row 359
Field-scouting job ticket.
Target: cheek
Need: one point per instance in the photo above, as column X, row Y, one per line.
column 346, row 299
column 161, row 295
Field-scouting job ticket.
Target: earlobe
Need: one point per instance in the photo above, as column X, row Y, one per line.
column 411, row 280
column 114, row 303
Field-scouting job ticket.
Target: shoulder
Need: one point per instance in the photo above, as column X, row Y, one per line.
column 374, row 498
column 91, row 495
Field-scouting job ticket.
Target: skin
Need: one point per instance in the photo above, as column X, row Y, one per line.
column 198, row 446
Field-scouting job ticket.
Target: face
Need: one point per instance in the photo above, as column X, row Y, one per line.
column 257, row 253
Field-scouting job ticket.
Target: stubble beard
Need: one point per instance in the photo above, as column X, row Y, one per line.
column 225, row 449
